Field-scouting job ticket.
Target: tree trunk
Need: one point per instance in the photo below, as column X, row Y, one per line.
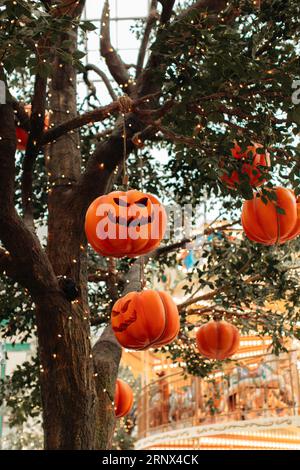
column 70, row 402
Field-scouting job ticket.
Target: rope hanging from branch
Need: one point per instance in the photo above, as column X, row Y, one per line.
column 125, row 106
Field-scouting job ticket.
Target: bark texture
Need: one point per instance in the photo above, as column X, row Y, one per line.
column 70, row 402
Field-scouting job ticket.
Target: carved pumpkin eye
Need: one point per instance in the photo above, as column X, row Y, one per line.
column 142, row 202
column 125, row 306
column 121, row 202
column 126, row 316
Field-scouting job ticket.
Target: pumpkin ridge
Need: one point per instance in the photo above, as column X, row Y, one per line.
column 278, row 228
column 254, row 238
column 247, row 225
column 166, row 309
column 165, row 328
column 229, row 351
column 217, row 339
column 150, row 342
column 204, row 346
column 143, row 316
column 218, row 349
column 123, row 398
column 157, row 340
column 257, row 218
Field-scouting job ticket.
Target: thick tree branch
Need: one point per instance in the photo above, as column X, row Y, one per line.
column 167, row 10
column 107, row 355
column 213, row 293
column 112, row 280
column 104, row 78
column 37, row 119
column 23, row 119
column 209, row 6
column 151, row 20
column 34, row 271
column 218, row 313
column 114, row 62
column 176, row 138
column 72, row 8
column 97, row 115
column 166, row 249
column 98, row 276
column 47, row 4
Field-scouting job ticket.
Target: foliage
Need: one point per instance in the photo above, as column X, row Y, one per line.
column 231, row 79
column 20, row 393
column 24, row 439
column 23, row 24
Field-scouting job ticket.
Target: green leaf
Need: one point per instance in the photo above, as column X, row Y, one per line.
column 280, row 210
column 246, row 190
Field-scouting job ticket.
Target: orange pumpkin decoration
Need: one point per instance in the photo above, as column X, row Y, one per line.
column 128, row 223
column 123, row 398
column 250, row 162
column 143, row 320
column 262, row 223
column 217, row 340
column 22, row 135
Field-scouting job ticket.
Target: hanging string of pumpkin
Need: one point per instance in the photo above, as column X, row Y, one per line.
column 125, row 106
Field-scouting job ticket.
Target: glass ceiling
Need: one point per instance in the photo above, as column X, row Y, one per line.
column 123, row 16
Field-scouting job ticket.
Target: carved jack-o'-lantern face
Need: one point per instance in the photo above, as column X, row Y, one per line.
column 125, row 223
column 22, row 134
column 141, row 320
column 250, row 163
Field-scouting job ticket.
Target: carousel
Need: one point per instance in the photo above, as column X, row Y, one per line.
column 251, row 404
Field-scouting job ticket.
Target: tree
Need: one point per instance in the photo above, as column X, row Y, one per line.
column 217, row 73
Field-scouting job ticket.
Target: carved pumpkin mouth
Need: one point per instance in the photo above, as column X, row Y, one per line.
column 130, row 221
column 126, row 317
